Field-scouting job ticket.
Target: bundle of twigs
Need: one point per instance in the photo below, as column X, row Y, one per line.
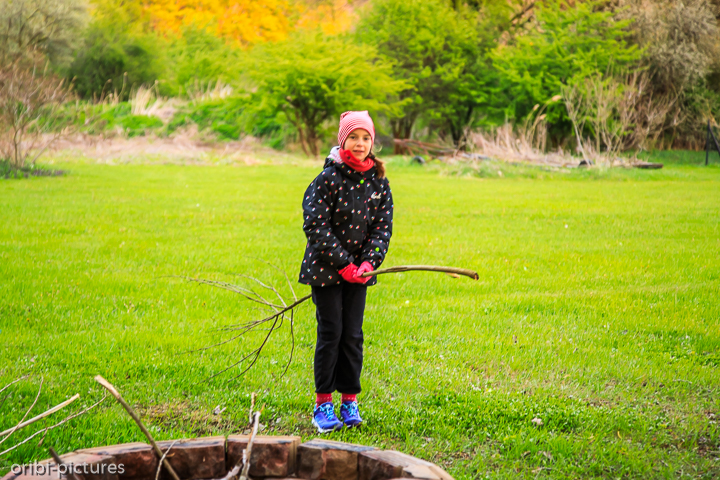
column 5, row 435
column 282, row 310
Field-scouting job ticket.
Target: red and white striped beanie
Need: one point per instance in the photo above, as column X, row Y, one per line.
column 350, row 121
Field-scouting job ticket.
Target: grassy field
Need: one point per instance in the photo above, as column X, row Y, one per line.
column 596, row 311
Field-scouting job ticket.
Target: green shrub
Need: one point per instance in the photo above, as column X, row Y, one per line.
column 138, row 125
column 436, row 51
column 198, row 57
column 566, row 44
column 222, row 116
column 114, row 62
column 98, row 118
column 230, row 118
column 311, row 78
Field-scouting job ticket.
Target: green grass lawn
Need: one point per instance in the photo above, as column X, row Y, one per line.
column 597, row 311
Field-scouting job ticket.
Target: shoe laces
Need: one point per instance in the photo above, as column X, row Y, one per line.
column 352, row 408
column 328, row 410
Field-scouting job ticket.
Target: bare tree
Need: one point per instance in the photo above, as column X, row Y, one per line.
column 681, row 42
column 47, row 26
column 648, row 111
column 576, row 108
column 680, row 38
column 30, row 97
column 620, row 112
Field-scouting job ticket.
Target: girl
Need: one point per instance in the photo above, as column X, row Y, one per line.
column 348, row 212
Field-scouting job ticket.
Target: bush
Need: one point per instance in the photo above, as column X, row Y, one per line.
column 435, row 50
column 566, row 44
column 111, row 62
column 222, row 116
column 29, row 96
column 231, row 118
column 197, row 56
column 138, row 125
column 312, row 78
column 681, row 41
column 99, row 118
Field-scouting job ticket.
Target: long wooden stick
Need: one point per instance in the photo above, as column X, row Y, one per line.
column 43, row 415
column 424, row 268
column 139, row 423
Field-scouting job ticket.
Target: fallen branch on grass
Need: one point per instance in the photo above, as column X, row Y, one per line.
column 110, row 388
column 13, row 383
column 17, row 427
column 285, row 311
column 47, row 429
column 47, row 413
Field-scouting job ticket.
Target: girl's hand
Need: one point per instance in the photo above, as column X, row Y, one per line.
column 349, row 274
column 364, row 268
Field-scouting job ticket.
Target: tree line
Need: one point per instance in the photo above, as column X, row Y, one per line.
column 607, row 75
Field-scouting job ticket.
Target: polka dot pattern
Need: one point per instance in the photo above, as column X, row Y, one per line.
column 347, row 217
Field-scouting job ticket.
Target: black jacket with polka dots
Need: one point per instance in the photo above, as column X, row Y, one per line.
column 347, row 218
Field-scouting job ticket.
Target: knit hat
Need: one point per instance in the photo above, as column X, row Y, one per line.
column 350, row 121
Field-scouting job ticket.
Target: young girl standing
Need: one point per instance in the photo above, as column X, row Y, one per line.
column 347, row 212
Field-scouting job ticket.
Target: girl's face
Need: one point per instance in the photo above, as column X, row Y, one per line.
column 359, row 142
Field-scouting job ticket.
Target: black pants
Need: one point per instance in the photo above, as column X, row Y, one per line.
column 339, row 349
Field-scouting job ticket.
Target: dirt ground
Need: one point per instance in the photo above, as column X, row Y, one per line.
column 182, row 148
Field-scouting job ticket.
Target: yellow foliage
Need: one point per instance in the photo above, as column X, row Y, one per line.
column 333, row 16
column 248, row 22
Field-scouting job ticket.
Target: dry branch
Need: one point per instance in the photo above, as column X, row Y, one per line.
column 162, row 460
column 13, row 383
column 424, row 268
column 244, row 463
column 139, row 423
column 43, row 415
column 60, row 463
column 247, row 453
column 47, row 429
column 287, row 311
column 14, row 429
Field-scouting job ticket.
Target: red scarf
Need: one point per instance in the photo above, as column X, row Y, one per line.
column 357, row 165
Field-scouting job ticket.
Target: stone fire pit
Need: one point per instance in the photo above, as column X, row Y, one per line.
column 273, row 457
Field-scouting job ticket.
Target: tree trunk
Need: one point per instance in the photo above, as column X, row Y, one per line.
column 312, row 140
column 297, row 123
column 401, row 128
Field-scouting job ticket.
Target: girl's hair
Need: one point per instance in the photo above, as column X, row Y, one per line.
column 379, row 165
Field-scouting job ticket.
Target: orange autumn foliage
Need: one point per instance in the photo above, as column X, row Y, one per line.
column 248, row 22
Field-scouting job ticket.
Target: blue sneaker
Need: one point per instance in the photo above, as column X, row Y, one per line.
column 350, row 414
column 324, row 418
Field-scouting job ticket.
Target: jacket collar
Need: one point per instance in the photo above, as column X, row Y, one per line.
column 333, row 159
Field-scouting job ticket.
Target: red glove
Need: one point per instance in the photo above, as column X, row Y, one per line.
column 349, row 273
column 364, row 268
